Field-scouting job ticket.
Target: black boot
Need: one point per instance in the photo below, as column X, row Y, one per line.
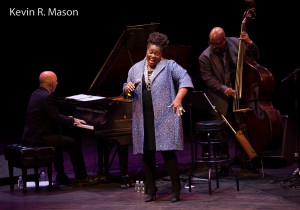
column 171, row 163
column 149, row 164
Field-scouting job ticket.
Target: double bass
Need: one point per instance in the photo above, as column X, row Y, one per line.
column 253, row 109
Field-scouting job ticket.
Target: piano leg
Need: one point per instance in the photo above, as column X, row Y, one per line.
column 123, row 159
column 123, row 162
column 103, row 156
column 104, row 147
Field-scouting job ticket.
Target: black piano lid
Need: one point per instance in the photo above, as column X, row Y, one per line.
column 129, row 49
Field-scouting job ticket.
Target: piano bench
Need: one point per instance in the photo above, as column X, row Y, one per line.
column 26, row 157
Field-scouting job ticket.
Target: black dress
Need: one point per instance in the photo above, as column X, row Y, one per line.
column 149, row 132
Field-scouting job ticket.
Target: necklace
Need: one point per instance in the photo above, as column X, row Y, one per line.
column 148, row 77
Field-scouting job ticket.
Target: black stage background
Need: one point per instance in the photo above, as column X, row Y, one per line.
column 76, row 47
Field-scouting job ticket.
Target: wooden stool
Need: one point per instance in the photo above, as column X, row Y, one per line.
column 26, row 157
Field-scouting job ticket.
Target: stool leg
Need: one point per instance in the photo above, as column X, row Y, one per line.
column 24, row 175
column 262, row 167
column 209, row 179
column 190, row 182
column 237, row 183
column 11, row 175
column 217, row 175
column 209, row 155
column 194, row 155
column 236, row 180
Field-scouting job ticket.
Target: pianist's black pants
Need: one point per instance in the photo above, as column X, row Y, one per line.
column 171, row 163
column 66, row 144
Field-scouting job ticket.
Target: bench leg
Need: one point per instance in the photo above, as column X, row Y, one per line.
column 49, row 169
column 36, row 178
column 24, row 176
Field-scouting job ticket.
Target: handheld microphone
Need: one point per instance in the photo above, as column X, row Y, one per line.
column 135, row 85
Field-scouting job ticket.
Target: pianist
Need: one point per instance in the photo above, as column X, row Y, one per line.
column 157, row 110
column 42, row 127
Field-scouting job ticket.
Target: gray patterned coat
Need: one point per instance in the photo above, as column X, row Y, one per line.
column 167, row 124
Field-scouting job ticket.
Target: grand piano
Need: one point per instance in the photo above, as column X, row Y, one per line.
column 111, row 117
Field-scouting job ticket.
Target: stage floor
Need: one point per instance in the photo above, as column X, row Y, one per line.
column 256, row 191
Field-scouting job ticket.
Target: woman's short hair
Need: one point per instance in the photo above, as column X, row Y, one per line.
column 158, row 39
